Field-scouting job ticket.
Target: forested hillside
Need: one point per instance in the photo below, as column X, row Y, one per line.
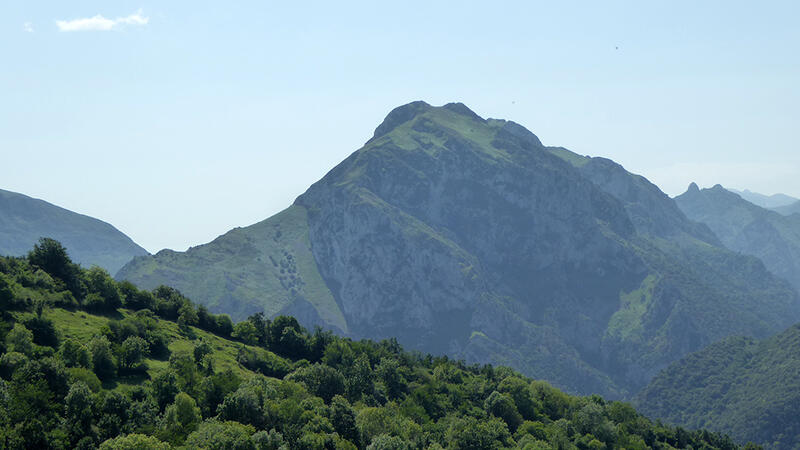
column 739, row 386
column 86, row 361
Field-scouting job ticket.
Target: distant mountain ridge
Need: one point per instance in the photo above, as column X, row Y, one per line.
column 747, row 228
column 766, row 201
column 23, row 220
column 466, row 236
column 789, row 209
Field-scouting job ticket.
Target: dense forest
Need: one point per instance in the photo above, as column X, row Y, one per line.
column 89, row 362
column 749, row 389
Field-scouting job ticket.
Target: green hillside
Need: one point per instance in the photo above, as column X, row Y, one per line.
column 267, row 267
column 23, row 220
column 466, row 237
column 746, row 388
column 80, row 369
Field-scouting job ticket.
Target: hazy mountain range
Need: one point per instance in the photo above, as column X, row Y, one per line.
column 765, row 201
column 23, row 220
column 467, row 236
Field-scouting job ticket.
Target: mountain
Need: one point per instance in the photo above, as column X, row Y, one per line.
column 765, row 201
column 466, row 236
column 748, row 388
column 788, row 210
column 747, row 228
column 23, row 220
column 114, row 368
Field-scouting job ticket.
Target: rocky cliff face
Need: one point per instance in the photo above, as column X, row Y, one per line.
column 466, row 236
column 463, row 235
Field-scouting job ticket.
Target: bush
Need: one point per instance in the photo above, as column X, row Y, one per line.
column 222, row 435
column 134, row 442
column 52, row 257
column 44, row 331
column 86, row 376
column 263, row 361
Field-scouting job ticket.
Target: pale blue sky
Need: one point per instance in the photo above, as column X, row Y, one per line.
column 218, row 114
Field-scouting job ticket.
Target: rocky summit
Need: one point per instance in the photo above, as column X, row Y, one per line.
column 466, row 236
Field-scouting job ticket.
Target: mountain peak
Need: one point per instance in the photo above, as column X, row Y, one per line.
column 409, row 111
column 693, row 187
column 460, row 108
column 399, row 116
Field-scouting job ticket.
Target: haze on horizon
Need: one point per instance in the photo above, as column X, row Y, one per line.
column 177, row 122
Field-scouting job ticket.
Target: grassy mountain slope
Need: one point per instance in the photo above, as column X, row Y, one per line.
column 747, row 388
column 467, row 237
column 23, row 220
column 267, row 267
column 263, row 385
column 747, row 228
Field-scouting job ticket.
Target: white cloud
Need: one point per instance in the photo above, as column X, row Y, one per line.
column 28, row 27
column 100, row 23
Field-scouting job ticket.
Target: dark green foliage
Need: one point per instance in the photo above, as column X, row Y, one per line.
column 102, row 358
column 502, row 406
column 263, row 361
column 224, row 325
column 20, row 340
column 350, row 395
column 214, row 389
column 49, row 255
column 180, row 418
column 6, row 295
column 387, row 371
column 131, row 353
column 201, row 350
column 44, row 331
column 245, row 405
column 739, row 386
column 321, row 380
column 79, row 412
column 100, row 283
column 165, row 388
column 134, row 298
column 168, row 302
column 143, row 325
column 184, row 367
column 474, row 434
column 343, row 419
column 222, row 436
column 75, row 354
column 134, row 442
column 245, row 332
